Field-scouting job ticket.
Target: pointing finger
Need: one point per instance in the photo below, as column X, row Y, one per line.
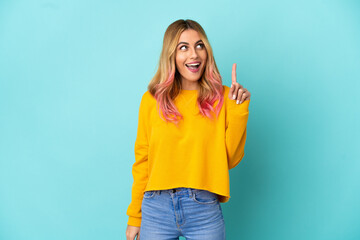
column 233, row 75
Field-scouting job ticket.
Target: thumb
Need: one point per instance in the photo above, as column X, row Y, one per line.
column 231, row 91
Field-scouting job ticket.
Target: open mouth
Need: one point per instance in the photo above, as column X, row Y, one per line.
column 194, row 67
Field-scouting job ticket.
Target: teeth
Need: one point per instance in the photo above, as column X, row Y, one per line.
column 193, row 64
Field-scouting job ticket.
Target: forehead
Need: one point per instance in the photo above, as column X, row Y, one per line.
column 190, row 36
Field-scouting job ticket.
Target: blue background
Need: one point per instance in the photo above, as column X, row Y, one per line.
column 71, row 78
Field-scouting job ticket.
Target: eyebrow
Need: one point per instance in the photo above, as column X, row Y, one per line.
column 188, row 43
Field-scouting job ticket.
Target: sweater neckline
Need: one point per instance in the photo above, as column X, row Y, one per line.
column 188, row 92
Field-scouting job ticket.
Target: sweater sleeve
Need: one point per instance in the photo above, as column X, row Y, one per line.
column 235, row 133
column 140, row 167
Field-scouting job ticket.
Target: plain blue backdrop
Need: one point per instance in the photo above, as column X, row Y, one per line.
column 71, row 78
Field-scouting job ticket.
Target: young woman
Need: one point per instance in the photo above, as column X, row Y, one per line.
column 191, row 132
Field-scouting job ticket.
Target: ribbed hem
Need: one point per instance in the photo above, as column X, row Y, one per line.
column 134, row 221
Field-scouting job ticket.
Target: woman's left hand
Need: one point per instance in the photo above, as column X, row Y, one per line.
column 237, row 92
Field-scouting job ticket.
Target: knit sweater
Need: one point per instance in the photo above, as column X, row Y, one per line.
column 198, row 153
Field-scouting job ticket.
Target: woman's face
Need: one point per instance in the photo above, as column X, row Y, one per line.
column 190, row 49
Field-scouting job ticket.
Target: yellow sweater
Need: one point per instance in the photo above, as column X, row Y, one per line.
column 197, row 154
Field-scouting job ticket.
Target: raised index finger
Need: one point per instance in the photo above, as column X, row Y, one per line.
column 233, row 75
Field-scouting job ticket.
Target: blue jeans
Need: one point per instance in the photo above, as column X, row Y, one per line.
column 192, row 213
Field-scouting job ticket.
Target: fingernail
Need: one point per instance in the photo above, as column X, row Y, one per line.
column 237, row 102
column 241, row 102
column 234, row 96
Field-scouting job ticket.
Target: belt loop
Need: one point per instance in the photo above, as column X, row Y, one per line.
column 190, row 192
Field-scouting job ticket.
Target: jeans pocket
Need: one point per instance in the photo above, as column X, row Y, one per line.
column 149, row 194
column 204, row 197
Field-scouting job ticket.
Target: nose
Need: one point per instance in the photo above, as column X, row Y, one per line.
column 193, row 53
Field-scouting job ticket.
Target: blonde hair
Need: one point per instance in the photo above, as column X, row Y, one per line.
column 166, row 83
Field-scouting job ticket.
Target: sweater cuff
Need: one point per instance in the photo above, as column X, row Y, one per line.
column 134, row 221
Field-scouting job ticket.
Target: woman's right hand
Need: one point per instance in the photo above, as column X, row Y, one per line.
column 131, row 232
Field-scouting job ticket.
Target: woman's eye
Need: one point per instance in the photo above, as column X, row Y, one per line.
column 201, row 46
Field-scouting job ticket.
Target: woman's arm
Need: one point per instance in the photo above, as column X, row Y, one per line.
column 140, row 167
column 235, row 133
column 238, row 99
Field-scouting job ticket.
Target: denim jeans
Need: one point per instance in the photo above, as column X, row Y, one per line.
column 192, row 213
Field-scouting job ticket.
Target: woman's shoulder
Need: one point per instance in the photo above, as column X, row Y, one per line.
column 148, row 98
column 146, row 94
column 226, row 89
